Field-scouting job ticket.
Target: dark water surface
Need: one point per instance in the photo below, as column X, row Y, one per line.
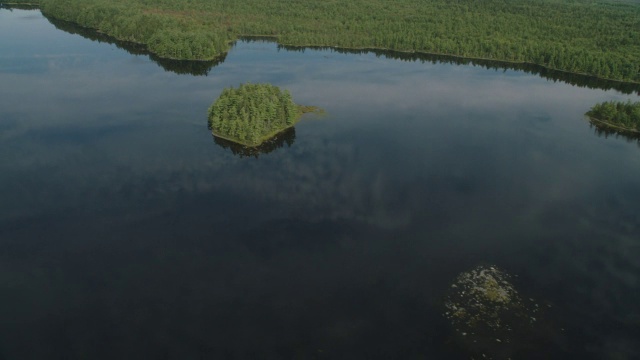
column 127, row 232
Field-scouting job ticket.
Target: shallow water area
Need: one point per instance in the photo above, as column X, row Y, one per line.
column 128, row 231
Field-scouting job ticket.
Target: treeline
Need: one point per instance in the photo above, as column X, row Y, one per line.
column 622, row 115
column 19, row 3
column 252, row 113
column 191, row 67
column 164, row 33
column 581, row 36
column 19, row 6
column 580, row 80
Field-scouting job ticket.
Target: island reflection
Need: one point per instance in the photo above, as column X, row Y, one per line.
column 181, row 67
column 286, row 137
column 602, row 130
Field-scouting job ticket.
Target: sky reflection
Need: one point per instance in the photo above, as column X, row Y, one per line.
column 119, row 209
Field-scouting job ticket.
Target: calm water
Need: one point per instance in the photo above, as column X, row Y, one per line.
column 127, row 232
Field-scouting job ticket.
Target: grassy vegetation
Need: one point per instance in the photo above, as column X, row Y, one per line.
column 617, row 115
column 580, row 36
column 253, row 113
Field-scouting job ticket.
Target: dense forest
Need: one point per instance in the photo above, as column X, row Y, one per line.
column 191, row 67
column 619, row 115
column 252, row 113
column 599, row 38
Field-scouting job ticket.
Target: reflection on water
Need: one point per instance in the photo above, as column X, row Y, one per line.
column 126, row 234
column 602, row 130
column 183, row 67
column 555, row 75
column 285, row 137
column 203, row 67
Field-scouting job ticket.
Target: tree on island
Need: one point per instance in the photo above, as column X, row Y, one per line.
column 617, row 114
column 253, row 113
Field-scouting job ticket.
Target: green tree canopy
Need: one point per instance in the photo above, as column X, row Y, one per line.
column 600, row 38
column 617, row 114
column 252, row 113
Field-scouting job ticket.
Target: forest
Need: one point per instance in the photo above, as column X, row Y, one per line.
column 252, row 113
column 620, row 115
column 598, row 38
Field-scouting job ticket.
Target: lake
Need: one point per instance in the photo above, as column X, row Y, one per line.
column 128, row 232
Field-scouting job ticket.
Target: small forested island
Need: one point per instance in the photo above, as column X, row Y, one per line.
column 594, row 37
column 623, row 116
column 253, row 113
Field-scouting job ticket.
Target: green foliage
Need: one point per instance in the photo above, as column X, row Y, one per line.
column 580, row 36
column 252, row 113
column 19, row 2
column 618, row 114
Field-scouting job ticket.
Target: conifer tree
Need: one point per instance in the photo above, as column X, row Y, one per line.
column 252, row 113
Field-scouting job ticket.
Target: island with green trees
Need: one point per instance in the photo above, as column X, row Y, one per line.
column 598, row 38
column 253, row 113
column 617, row 115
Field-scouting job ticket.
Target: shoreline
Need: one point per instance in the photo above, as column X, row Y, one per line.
column 608, row 124
column 461, row 57
column 275, row 39
column 304, row 109
column 253, row 146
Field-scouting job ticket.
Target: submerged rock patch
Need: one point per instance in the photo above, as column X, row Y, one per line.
column 490, row 319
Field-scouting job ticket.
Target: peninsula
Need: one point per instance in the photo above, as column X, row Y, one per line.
column 617, row 115
column 598, row 38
